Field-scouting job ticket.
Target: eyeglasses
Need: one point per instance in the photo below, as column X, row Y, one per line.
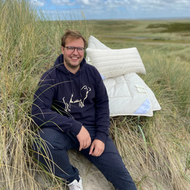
column 71, row 49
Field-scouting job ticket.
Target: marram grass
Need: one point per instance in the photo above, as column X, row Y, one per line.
column 156, row 150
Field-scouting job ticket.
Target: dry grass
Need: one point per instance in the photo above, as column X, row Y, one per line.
column 154, row 150
column 28, row 46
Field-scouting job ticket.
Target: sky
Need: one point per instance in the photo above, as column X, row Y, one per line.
column 114, row 9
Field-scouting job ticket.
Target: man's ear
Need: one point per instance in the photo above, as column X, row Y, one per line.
column 62, row 50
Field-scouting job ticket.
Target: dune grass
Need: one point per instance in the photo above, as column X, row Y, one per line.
column 156, row 150
column 28, row 46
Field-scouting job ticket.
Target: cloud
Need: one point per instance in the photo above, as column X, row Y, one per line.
column 37, row 3
column 86, row 2
column 63, row 2
column 128, row 4
column 109, row 9
column 159, row 4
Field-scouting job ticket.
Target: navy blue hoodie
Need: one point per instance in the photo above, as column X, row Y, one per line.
column 66, row 101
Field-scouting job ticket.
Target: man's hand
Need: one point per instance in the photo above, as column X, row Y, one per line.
column 97, row 148
column 84, row 138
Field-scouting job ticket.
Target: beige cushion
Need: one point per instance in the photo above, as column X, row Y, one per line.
column 116, row 62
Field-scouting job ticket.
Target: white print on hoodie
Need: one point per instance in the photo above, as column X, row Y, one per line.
column 80, row 101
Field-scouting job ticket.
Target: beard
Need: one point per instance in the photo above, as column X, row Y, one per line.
column 68, row 63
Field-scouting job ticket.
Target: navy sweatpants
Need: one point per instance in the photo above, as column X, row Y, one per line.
column 56, row 147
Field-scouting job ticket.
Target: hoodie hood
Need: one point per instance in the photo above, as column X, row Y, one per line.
column 60, row 66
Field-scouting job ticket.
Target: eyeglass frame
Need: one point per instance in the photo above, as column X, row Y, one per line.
column 77, row 48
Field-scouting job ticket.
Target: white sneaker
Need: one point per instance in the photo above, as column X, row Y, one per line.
column 75, row 185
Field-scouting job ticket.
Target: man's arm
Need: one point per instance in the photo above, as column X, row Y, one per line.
column 42, row 113
column 102, row 111
column 102, row 119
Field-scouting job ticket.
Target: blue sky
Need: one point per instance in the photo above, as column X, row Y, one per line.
column 115, row 9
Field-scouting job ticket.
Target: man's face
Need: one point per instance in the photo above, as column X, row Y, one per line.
column 73, row 58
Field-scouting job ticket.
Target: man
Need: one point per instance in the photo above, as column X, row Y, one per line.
column 71, row 108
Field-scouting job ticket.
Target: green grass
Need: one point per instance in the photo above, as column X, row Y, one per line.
column 155, row 150
column 150, row 30
column 172, row 27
